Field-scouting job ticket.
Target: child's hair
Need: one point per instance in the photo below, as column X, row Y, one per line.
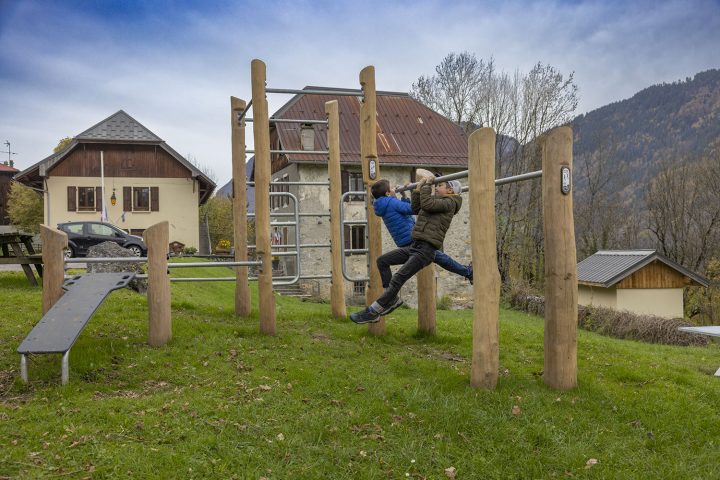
column 380, row 188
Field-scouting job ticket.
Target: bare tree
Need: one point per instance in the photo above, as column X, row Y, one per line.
column 520, row 107
column 683, row 204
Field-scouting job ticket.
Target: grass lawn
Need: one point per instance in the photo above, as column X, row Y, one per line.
column 323, row 399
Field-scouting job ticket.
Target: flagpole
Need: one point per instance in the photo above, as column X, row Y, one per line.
column 103, row 217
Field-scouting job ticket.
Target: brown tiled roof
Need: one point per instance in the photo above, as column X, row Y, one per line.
column 408, row 133
column 7, row 168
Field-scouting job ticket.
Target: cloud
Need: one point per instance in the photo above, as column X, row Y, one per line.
column 174, row 66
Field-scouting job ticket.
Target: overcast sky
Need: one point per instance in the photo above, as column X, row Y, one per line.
column 66, row 65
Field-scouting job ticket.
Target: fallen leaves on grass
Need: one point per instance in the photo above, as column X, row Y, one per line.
column 451, row 472
column 516, row 410
column 591, row 462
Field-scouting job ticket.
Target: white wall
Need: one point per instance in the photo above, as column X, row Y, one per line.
column 178, row 205
column 597, row 296
column 663, row 302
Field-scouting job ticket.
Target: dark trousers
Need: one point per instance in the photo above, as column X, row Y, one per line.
column 413, row 259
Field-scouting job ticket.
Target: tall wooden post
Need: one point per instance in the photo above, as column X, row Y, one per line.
column 157, row 239
column 371, row 174
column 337, row 289
column 53, row 244
column 427, row 300
column 261, row 133
column 561, row 292
column 243, row 305
column 486, row 278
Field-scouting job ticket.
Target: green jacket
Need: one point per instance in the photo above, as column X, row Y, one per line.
column 434, row 215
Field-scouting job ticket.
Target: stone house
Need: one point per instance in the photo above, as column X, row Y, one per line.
column 639, row 281
column 145, row 181
column 409, row 135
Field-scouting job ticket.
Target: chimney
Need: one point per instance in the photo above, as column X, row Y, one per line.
column 307, row 137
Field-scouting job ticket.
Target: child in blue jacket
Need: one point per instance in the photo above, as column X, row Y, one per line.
column 398, row 217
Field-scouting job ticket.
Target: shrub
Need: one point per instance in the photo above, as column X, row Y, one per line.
column 444, row 303
column 614, row 323
column 190, row 250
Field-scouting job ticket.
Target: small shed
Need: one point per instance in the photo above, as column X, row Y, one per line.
column 640, row 281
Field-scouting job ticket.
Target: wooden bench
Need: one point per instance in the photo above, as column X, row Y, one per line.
column 60, row 327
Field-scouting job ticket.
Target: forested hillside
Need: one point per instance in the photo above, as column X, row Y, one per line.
column 658, row 124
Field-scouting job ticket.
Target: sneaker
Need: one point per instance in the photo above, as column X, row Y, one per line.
column 397, row 303
column 470, row 277
column 366, row 316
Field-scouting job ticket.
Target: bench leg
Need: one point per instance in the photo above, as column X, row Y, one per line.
column 23, row 368
column 65, row 368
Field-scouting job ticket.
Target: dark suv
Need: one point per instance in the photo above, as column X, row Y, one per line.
column 83, row 235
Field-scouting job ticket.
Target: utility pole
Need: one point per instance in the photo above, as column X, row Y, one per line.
column 9, row 152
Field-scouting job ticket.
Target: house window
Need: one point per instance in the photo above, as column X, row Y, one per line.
column 137, row 231
column 141, row 199
column 86, row 199
column 355, row 237
column 280, row 201
column 352, row 182
column 359, row 289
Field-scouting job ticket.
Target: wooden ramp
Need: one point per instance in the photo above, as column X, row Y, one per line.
column 61, row 325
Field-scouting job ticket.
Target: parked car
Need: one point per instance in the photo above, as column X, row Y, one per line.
column 83, row 235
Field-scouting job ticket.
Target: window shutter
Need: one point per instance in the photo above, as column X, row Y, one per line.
column 72, row 199
column 345, row 181
column 413, row 175
column 346, row 231
column 98, row 199
column 154, row 199
column 127, row 199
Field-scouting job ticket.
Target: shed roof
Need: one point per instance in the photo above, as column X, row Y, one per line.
column 408, row 132
column 608, row 267
column 8, row 168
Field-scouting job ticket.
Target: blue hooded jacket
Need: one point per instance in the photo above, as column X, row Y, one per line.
column 398, row 217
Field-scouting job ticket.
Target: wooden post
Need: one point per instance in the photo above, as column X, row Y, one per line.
column 337, row 290
column 157, row 239
column 486, row 284
column 54, row 242
column 427, row 300
column 561, row 293
column 261, row 132
column 243, row 306
column 371, row 174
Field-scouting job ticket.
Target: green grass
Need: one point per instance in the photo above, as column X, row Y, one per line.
column 323, row 399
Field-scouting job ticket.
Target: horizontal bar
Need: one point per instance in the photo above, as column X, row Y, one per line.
column 293, row 120
column 203, row 279
column 355, row 222
column 107, row 260
column 291, row 214
column 465, row 173
column 321, row 184
column 137, row 276
column 214, row 264
column 518, row 178
column 283, row 224
column 285, row 254
column 355, row 250
column 345, row 93
column 296, row 152
column 247, row 107
column 444, row 178
column 292, row 245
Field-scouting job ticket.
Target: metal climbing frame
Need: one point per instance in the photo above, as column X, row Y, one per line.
column 343, row 250
column 465, row 173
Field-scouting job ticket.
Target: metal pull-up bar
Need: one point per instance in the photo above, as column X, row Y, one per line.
column 465, row 173
column 296, row 152
column 293, row 120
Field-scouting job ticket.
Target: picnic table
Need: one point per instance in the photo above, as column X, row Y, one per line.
column 13, row 253
column 711, row 331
